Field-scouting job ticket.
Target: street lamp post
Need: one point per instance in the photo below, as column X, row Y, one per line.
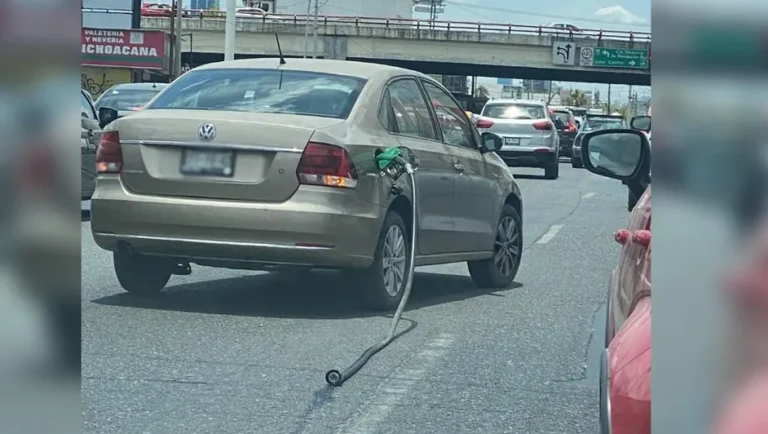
column 229, row 31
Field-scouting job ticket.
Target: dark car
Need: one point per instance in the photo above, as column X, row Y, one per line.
column 592, row 123
column 128, row 98
column 566, row 130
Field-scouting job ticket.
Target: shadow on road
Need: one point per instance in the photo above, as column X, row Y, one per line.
column 528, row 176
column 317, row 295
column 85, row 215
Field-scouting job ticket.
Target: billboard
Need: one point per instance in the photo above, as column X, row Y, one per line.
column 141, row 49
column 108, row 14
column 536, row 86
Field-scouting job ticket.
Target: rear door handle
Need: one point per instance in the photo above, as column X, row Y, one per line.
column 458, row 166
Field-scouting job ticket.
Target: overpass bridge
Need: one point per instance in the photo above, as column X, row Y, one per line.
column 433, row 47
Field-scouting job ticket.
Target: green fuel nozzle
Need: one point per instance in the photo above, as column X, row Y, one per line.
column 387, row 156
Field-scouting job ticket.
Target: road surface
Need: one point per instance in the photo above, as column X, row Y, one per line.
column 241, row 352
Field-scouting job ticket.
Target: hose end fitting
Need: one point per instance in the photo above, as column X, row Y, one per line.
column 333, row 378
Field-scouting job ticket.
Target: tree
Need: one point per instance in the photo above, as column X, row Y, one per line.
column 481, row 91
column 576, row 98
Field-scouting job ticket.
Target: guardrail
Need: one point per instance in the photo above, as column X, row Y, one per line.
column 449, row 26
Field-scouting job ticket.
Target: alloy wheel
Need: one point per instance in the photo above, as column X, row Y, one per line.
column 393, row 260
column 507, row 246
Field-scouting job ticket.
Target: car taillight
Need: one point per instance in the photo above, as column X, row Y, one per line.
column 571, row 126
column 328, row 165
column 543, row 125
column 484, row 123
column 109, row 156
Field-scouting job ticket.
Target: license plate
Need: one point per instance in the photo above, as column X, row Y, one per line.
column 210, row 163
column 511, row 141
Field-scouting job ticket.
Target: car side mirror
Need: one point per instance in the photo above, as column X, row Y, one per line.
column 106, row 116
column 491, row 142
column 559, row 124
column 621, row 154
column 642, row 123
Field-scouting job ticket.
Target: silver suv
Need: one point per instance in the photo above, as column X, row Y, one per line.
column 529, row 133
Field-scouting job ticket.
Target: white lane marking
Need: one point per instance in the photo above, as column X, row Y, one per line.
column 588, row 195
column 553, row 230
column 371, row 415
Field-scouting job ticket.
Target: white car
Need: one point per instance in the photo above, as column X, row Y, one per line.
column 564, row 27
column 255, row 13
column 529, row 133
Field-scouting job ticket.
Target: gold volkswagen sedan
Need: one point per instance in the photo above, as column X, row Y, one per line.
column 249, row 164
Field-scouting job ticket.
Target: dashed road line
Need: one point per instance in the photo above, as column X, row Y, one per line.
column 370, row 416
column 588, row 195
column 547, row 237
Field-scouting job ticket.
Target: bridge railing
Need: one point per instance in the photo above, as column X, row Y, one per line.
column 449, row 26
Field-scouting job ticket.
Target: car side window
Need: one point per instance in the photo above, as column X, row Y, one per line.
column 453, row 121
column 411, row 115
column 386, row 115
column 85, row 107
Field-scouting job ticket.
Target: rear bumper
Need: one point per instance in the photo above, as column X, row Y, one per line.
column 528, row 158
column 312, row 228
column 566, row 145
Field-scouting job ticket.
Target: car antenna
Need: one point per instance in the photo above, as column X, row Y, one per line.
column 279, row 50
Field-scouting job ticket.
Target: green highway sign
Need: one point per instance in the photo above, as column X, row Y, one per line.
column 620, row 58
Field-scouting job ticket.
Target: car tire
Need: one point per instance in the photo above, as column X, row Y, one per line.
column 378, row 295
column 576, row 163
column 141, row 275
column 553, row 170
column 604, row 391
column 486, row 273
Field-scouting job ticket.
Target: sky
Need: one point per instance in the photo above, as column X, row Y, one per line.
column 626, row 15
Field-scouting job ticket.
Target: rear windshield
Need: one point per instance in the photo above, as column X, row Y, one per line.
column 263, row 91
column 603, row 123
column 126, row 99
column 514, row 111
column 563, row 116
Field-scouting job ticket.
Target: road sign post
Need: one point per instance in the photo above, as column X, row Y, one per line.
column 619, row 58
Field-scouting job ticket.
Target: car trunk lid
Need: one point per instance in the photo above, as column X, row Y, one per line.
column 520, row 132
column 251, row 157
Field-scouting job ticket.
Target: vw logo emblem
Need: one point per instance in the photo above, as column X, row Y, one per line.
column 206, row 132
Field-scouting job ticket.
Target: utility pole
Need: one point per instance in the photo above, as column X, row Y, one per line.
column 173, row 54
column 629, row 100
column 432, row 13
column 229, row 31
column 314, row 30
column 609, row 98
column 177, row 41
column 306, row 28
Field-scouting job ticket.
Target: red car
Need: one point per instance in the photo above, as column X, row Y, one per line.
column 625, row 373
column 159, row 10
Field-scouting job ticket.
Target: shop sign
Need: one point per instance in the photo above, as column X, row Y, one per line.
column 140, row 49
